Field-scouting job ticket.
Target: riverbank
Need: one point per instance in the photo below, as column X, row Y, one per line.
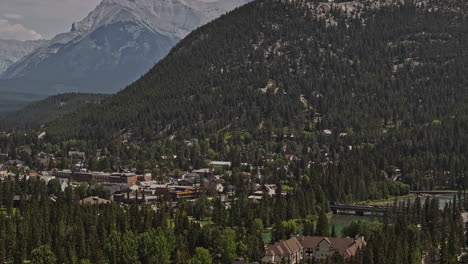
column 444, row 194
column 340, row 221
column 389, row 200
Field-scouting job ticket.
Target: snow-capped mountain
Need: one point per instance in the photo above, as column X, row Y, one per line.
column 114, row 45
column 167, row 17
column 13, row 50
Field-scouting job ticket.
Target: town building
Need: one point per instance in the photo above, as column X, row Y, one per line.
column 221, row 164
column 301, row 249
column 101, row 177
column 165, row 191
column 204, row 172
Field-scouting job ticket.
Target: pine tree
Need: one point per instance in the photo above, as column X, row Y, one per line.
column 322, row 228
column 202, row 256
column 43, row 255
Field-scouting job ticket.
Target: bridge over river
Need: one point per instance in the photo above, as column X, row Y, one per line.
column 436, row 192
column 360, row 209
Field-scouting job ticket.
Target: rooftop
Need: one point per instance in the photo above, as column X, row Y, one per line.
column 346, row 246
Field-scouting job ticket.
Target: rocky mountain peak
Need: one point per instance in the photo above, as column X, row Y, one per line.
column 119, row 37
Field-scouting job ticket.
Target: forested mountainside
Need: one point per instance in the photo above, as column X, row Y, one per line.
column 301, row 65
column 370, row 83
column 48, row 110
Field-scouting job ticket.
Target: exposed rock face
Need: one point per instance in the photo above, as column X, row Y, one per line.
column 115, row 44
column 13, row 50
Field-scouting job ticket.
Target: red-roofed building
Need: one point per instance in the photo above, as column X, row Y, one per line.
column 305, row 248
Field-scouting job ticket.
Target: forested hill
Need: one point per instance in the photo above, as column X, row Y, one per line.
column 49, row 109
column 361, row 66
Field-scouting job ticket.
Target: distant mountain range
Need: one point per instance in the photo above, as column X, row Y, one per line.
column 114, row 45
column 11, row 101
column 48, row 110
column 12, row 51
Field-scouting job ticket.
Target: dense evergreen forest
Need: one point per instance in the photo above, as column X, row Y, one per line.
column 63, row 230
column 298, row 65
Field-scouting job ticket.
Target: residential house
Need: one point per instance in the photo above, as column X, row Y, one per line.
column 214, row 184
column 300, row 249
column 269, row 189
column 77, row 158
column 32, row 175
column 286, row 251
column 95, row 201
column 44, row 159
column 221, row 164
column 42, row 136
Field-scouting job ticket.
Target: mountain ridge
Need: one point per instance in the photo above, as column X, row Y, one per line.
column 12, row 51
column 114, row 45
column 47, row 110
column 302, row 58
column 141, row 10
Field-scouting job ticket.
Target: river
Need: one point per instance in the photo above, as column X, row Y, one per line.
column 342, row 220
column 339, row 221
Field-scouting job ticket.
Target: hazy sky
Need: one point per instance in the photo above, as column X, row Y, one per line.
column 35, row 19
